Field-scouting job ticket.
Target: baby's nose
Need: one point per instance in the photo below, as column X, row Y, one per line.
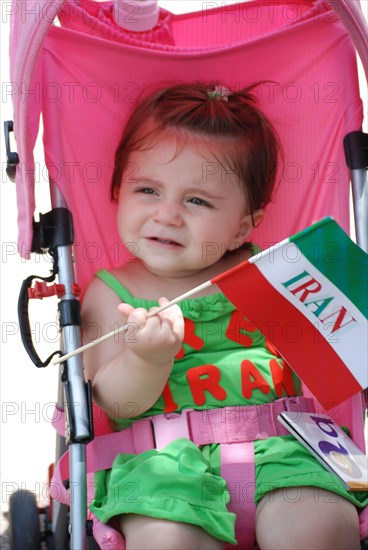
column 168, row 213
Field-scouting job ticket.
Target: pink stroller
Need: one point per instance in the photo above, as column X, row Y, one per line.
column 85, row 75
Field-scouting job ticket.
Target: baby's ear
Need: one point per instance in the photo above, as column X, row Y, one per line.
column 247, row 224
column 258, row 216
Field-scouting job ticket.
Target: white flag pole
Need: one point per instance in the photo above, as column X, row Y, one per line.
column 58, row 360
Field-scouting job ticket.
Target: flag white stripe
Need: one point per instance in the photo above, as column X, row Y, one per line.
column 285, row 261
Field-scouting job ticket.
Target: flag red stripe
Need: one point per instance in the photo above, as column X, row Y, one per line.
column 298, row 341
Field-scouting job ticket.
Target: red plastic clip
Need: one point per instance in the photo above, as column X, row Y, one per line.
column 42, row 290
column 76, row 289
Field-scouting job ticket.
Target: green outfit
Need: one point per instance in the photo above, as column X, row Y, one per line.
column 224, row 361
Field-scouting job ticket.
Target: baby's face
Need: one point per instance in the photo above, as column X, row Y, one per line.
column 179, row 209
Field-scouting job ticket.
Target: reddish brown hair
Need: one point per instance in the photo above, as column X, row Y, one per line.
column 195, row 110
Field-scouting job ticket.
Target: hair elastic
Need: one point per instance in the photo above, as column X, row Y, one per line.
column 219, row 93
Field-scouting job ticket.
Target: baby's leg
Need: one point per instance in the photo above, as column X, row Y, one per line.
column 145, row 533
column 306, row 518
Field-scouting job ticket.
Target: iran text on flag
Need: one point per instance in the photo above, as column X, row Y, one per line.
column 308, row 296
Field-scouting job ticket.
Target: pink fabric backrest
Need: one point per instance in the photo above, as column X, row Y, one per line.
column 90, row 85
column 31, row 19
column 300, row 32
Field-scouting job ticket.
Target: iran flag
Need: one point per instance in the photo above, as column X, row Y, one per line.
column 308, row 296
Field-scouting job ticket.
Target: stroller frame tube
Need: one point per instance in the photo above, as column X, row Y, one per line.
column 360, row 202
column 71, row 340
column 59, row 510
column 77, row 413
column 79, row 429
column 78, row 496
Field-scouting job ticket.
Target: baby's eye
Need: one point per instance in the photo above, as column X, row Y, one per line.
column 145, row 190
column 199, row 202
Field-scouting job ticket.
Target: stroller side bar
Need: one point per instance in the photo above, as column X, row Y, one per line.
column 76, row 390
column 54, row 233
column 78, row 404
column 356, row 154
column 77, row 394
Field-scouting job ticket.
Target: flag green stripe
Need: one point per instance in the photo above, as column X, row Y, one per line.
column 333, row 253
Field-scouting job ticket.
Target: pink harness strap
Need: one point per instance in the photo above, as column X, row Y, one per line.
column 235, row 428
column 103, row 450
column 236, row 424
column 237, row 468
column 229, row 425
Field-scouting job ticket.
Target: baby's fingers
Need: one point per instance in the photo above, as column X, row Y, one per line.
column 125, row 309
column 174, row 315
column 136, row 317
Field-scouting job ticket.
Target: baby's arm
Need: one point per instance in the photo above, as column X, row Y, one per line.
column 130, row 370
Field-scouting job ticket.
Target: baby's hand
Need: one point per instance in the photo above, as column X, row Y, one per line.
column 156, row 339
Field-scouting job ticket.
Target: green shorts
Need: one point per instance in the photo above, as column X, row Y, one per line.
column 182, row 483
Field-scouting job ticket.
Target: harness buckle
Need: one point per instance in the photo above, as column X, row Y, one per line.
column 168, row 427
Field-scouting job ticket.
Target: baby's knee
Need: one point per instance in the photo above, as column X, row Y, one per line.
column 147, row 533
column 337, row 527
column 303, row 518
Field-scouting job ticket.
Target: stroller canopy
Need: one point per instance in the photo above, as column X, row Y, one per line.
column 86, row 75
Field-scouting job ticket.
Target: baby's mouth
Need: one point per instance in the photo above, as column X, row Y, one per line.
column 164, row 241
